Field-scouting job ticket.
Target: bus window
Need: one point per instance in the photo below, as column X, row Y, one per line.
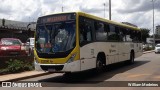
column 122, row 34
column 113, row 34
column 134, row 35
column 117, row 29
column 101, row 34
column 106, row 28
column 85, row 31
column 128, row 35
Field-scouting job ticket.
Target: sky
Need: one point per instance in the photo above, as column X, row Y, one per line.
column 138, row 12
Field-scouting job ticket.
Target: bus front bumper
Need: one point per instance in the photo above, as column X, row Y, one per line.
column 67, row 67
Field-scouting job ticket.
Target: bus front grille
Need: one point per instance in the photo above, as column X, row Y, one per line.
column 56, row 67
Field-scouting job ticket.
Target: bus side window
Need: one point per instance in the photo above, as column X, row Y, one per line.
column 96, row 26
column 134, row 36
column 122, row 34
column 128, row 35
column 106, row 28
column 85, row 31
column 117, row 30
column 113, row 34
column 101, row 34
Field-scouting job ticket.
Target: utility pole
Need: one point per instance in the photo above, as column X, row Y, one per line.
column 153, row 1
column 110, row 10
column 62, row 8
column 104, row 10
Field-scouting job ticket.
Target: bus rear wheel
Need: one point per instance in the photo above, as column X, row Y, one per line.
column 99, row 65
column 131, row 61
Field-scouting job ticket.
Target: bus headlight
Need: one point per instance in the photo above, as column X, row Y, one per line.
column 71, row 59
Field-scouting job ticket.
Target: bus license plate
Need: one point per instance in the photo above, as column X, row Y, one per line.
column 51, row 70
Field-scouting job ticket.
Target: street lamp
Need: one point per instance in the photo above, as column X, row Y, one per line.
column 153, row 1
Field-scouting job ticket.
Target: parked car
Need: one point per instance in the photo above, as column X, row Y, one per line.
column 157, row 48
column 30, row 46
column 11, row 46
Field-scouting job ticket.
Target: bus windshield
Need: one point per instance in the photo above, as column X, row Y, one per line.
column 55, row 37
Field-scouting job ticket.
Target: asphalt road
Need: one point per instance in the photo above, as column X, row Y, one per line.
column 117, row 76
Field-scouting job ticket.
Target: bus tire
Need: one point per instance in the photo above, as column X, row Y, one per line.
column 99, row 64
column 132, row 56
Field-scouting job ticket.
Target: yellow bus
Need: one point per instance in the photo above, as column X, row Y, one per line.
column 77, row 41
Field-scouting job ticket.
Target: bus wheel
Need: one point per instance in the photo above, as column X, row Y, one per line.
column 131, row 61
column 99, row 64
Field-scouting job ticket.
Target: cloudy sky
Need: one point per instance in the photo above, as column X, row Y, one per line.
column 138, row 12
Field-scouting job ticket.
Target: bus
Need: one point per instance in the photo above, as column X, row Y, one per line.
column 77, row 41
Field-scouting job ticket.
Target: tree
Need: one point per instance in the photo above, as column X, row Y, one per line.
column 145, row 34
column 157, row 36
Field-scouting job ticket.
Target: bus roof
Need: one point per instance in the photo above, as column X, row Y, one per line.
column 97, row 18
column 106, row 20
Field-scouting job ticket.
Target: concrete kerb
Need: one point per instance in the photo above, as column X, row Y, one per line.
column 25, row 77
column 45, row 73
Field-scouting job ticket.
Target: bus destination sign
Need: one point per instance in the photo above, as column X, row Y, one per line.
column 55, row 18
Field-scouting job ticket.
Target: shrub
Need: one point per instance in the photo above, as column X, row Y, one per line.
column 148, row 48
column 15, row 66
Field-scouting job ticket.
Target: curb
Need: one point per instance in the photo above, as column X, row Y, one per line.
column 26, row 77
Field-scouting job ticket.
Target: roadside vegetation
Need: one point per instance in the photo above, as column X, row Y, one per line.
column 148, row 48
column 16, row 66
